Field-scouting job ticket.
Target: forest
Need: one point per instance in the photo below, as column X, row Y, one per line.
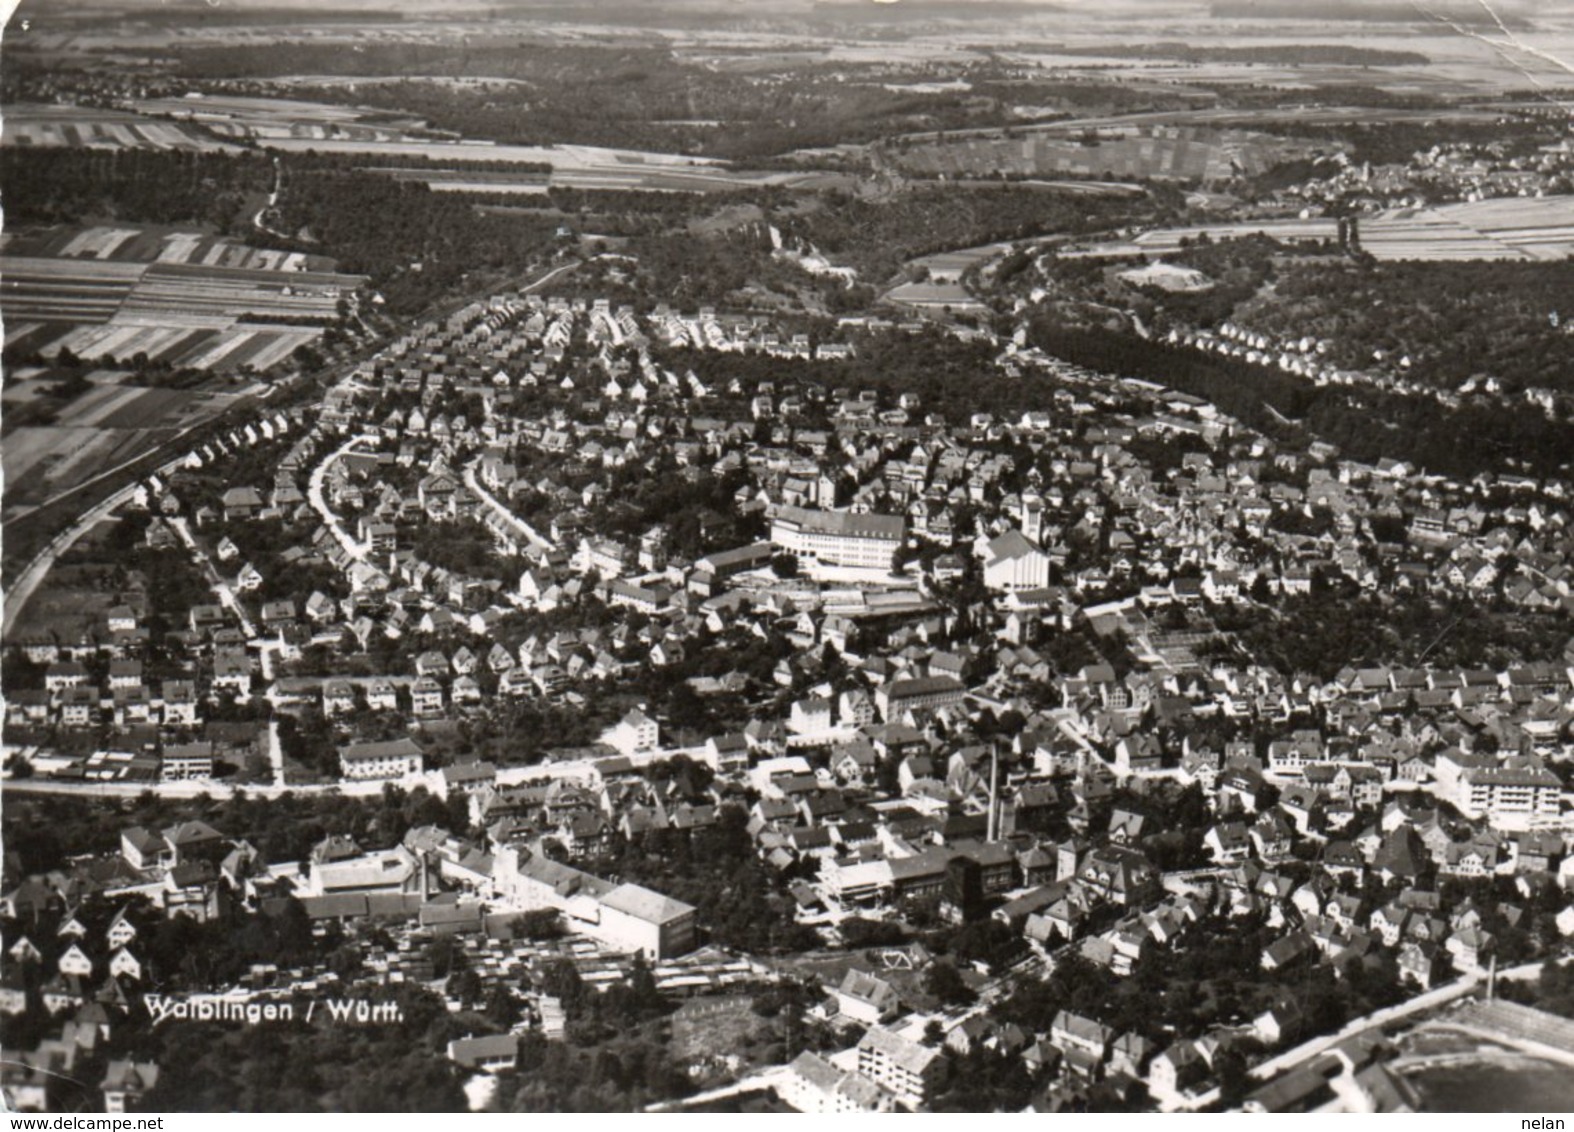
column 877, row 236
column 71, row 186
column 1365, row 424
column 421, row 247
column 1279, row 54
column 1508, row 321
column 634, row 97
column 1394, row 143
column 1498, row 320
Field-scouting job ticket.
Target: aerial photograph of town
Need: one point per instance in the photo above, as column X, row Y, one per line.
column 824, row 556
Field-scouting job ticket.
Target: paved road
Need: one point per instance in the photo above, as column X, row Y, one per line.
column 553, row 274
column 314, row 493
column 771, row 1077
column 216, row 580
column 32, row 576
column 275, row 753
column 514, row 521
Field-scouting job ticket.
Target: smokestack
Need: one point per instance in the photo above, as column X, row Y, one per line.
column 992, row 831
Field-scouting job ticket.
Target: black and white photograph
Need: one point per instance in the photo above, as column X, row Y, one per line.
column 768, row 556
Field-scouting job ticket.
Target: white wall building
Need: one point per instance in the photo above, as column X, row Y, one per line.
column 840, row 538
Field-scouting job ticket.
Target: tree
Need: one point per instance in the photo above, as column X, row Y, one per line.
column 542, row 923
column 1230, row 1067
column 465, row 986
column 858, row 933
column 502, row 1006
column 987, row 941
column 945, row 982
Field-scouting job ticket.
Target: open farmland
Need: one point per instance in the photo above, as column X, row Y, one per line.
column 64, row 290
column 184, row 299
column 136, row 243
column 296, row 127
column 108, row 424
column 43, row 461
column 256, row 119
column 1513, row 228
column 238, row 292
column 1170, row 152
column 34, row 125
column 1525, row 229
column 573, row 166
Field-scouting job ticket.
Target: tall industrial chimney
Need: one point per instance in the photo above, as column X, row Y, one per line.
column 992, row 830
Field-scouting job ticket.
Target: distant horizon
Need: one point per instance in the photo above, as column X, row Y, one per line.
column 1269, row 9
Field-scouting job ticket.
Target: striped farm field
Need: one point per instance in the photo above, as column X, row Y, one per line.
column 260, row 340
column 155, row 244
column 64, row 289
column 178, row 247
column 82, row 341
column 91, row 409
column 41, row 125
column 159, row 339
column 26, row 448
column 224, row 344
column 237, row 292
column 1515, row 228
column 177, row 297
column 279, row 345
column 100, row 243
column 41, row 334
column 186, row 342
column 16, row 331
column 96, row 451
column 147, row 408
column 118, row 341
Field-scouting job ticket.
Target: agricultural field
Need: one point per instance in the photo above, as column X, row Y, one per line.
column 259, row 119
column 287, row 125
column 113, row 421
column 183, row 299
column 1515, row 228
column 169, row 305
column 28, row 125
column 141, row 243
column 63, row 290
column 1165, row 152
column 573, row 166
